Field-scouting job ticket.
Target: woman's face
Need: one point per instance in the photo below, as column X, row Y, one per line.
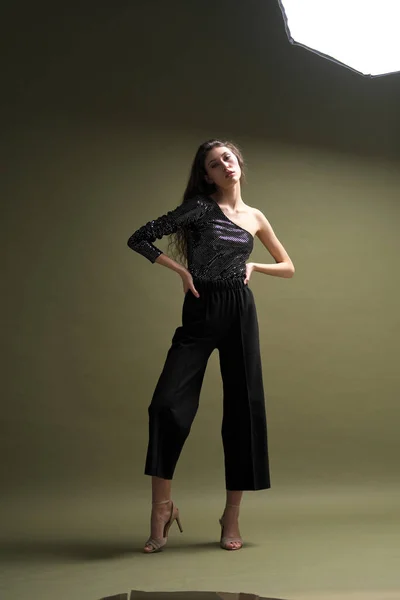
column 222, row 167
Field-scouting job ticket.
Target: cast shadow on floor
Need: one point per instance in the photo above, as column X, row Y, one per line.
column 86, row 550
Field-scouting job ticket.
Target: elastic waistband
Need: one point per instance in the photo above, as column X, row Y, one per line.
column 219, row 284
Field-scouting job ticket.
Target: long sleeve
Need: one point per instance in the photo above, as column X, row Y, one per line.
column 185, row 215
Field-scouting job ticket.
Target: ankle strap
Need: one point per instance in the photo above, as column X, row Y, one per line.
column 162, row 502
column 233, row 505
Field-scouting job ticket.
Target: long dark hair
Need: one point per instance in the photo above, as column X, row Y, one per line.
column 197, row 185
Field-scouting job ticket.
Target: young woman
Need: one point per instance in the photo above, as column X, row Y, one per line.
column 213, row 232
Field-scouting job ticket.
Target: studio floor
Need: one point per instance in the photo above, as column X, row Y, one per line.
column 311, row 544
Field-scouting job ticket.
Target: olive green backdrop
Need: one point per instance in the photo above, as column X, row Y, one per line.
column 103, row 109
column 89, row 321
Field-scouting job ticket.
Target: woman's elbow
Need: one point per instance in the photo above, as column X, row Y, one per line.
column 133, row 241
column 290, row 271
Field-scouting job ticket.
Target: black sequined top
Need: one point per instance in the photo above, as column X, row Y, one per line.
column 217, row 248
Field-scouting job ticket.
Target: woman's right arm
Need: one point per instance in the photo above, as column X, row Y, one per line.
column 185, row 275
column 184, row 215
column 142, row 240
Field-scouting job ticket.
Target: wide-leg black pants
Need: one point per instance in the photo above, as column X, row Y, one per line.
column 224, row 317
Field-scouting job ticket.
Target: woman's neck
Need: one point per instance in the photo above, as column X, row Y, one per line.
column 229, row 197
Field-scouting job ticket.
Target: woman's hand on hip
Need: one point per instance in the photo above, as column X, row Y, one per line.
column 249, row 271
column 188, row 284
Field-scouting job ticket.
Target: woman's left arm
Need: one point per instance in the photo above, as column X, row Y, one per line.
column 283, row 266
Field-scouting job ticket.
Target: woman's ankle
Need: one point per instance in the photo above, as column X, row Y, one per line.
column 233, row 498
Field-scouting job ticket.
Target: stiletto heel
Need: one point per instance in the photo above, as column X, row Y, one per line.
column 226, row 541
column 156, row 544
column 178, row 522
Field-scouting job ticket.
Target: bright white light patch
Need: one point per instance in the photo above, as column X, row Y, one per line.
column 363, row 34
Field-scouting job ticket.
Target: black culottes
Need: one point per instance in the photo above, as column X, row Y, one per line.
column 224, row 317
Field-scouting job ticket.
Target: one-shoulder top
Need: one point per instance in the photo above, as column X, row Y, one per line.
column 217, row 248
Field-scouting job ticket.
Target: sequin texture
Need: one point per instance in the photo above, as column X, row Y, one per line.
column 217, row 248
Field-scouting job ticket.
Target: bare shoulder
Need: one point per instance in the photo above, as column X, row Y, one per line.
column 258, row 216
column 258, row 213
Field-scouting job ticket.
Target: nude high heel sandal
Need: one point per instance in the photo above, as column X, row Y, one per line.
column 157, row 544
column 226, row 541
